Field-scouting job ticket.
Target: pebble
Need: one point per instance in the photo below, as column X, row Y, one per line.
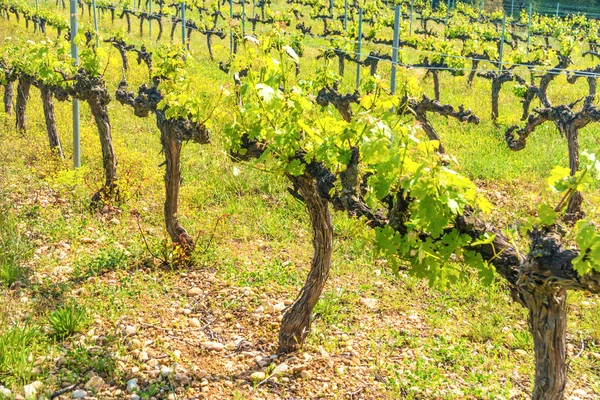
column 369, row 302
column 134, row 397
column 143, row 356
column 521, row 352
column 171, row 396
column 132, row 385
column 165, row 371
column 277, row 308
column 29, row 391
column 177, row 354
column 305, row 375
column 95, row 383
column 258, row 376
column 280, row 369
column 213, row 346
column 580, row 393
column 195, row 322
column 195, row 291
column 130, row 330
column 79, row 394
column 114, row 221
column 4, row 392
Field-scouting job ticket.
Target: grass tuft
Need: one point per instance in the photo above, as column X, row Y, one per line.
column 69, row 319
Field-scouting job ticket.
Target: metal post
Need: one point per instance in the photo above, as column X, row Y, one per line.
column 359, row 47
column 395, row 47
column 512, row 8
column 150, row 19
column 331, row 7
column 345, row 15
column 557, row 8
column 502, row 43
column 529, row 27
column 95, row 23
column 412, row 7
column 230, row 29
column 447, row 12
column 183, row 23
column 75, row 102
column 243, row 17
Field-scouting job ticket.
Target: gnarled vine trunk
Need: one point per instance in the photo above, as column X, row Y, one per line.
column 22, row 98
column 548, row 324
column 171, row 146
column 9, row 93
column 51, row 129
column 296, row 321
column 436, row 83
column 109, row 160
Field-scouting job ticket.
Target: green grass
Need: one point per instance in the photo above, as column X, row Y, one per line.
column 19, row 344
column 418, row 343
column 14, row 249
column 69, row 319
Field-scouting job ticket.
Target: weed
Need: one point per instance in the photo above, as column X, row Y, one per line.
column 69, row 319
column 14, row 249
column 18, row 346
column 108, row 260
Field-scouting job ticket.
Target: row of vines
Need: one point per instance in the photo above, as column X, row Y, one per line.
column 370, row 153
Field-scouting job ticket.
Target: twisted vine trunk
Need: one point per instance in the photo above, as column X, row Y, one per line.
column 171, row 146
column 296, row 321
column 9, row 93
column 496, row 86
column 22, row 98
column 548, row 324
column 50, row 118
column 430, row 131
column 436, row 83
column 573, row 212
column 109, row 160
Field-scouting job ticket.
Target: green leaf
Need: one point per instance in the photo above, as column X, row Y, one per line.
column 547, row 215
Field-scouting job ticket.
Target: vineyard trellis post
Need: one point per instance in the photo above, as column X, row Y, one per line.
column 183, row 23
column 346, row 16
column 529, row 27
column 331, row 5
column 75, row 102
column 501, row 52
column 150, row 19
column 95, row 23
column 243, row 17
column 395, row 48
column 557, row 9
column 359, row 46
column 412, row 7
column 512, row 8
column 230, row 28
column 447, row 15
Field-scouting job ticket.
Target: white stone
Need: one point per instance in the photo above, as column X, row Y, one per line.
column 29, row 391
column 195, row 323
column 258, row 376
column 5, row 392
column 130, row 330
column 79, row 394
column 95, row 383
column 132, row 385
column 280, row 369
column 213, row 346
column 369, row 302
column 165, row 371
column 195, row 291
